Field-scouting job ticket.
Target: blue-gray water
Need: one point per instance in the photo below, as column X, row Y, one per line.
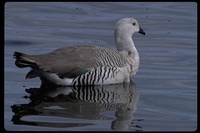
column 163, row 98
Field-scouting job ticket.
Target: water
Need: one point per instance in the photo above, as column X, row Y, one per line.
column 163, row 96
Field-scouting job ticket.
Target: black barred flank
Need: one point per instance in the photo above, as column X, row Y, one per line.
column 96, row 76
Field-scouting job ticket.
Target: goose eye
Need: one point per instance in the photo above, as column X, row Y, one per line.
column 134, row 23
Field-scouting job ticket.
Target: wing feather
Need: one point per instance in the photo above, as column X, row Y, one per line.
column 71, row 61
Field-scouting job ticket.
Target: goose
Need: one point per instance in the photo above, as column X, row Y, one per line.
column 79, row 65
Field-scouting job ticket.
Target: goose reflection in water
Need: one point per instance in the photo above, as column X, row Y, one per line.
column 79, row 105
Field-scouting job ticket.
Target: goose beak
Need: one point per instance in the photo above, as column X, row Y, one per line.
column 141, row 31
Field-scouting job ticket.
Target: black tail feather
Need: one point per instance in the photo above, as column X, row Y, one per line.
column 17, row 55
column 22, row 61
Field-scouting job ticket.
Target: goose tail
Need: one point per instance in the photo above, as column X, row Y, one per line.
column 23, row 60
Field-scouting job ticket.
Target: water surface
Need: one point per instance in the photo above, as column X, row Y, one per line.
column 163, row 93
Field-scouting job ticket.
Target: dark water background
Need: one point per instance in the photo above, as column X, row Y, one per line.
column 163, row 96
